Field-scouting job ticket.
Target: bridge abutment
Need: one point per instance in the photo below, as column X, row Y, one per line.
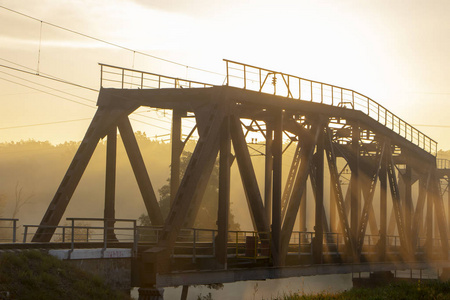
column 151, row 294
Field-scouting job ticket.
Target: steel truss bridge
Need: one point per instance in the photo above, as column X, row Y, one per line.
column 390, row 213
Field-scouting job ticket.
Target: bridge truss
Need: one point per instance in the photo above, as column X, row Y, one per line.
column 393, row 187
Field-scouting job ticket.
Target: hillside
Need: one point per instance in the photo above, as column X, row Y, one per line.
column 34, row 275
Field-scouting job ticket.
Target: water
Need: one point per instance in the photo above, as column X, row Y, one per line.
column 267, row 289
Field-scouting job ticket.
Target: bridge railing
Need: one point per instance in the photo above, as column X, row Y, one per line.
column 443, row 163
column 124, row 78
column 294, row 87
column 106, row 234
column 8, row 230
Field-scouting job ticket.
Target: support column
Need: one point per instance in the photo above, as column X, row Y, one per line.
column 355, row 185
column 224, row 194
column 110, row 182
column 383, row 203
column 177, row 148
column 409, row 209
column 448, row 200
column 302, row 217
column 333, row 223
column 429, row 219
column 277, row 149
column 268, row 172
column 318, row 227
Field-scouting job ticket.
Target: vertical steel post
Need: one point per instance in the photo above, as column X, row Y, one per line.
column 224, row 194
column 333, row 227
column 409, row 209
column 318, row 227
column 14, row 230
column 429, row 220
column 383, row 203
column 177, row 148
column 110, row 184
column 355, row 184
column 268, row 172
column 302, row 215
column 277, row 149
column 448, row 207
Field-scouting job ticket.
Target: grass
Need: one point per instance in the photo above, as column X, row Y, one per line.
column 403, row 290
column 35, row 275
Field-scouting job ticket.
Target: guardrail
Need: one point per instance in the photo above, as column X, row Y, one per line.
column 199, row 243
column 124, row 78
column 442, row 163
column 272, row 82
column 4, row 237
column 106, row 234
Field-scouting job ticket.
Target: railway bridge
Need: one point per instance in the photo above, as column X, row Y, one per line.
column 374, row 181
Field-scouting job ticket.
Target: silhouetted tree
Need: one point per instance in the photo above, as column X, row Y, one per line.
column 207, row 215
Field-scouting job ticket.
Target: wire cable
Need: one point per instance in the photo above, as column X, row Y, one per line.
column 49, row 77
column 45, row 92
column 43, row 85
column 109, row 43
column 42, row 124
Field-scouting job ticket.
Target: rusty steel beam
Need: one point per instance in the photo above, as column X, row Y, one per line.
column 290, row 180
column 277, row 151
column 368, row 202
column 383, row 202
column 248, row 177
column 318, row 162
column 140, row 172
column 397, row 210
column 314, row 184
column 333, row 207
column 110, row 182
column 103, row 119
column 440, row 215
column 196, row 176
column 416, row 229
column 372, row 222
column 268, row 172
column 349, row 241
column 177, row 149
column 299, row 186
column 408, row 208
column 224, row 194
column 355, row 184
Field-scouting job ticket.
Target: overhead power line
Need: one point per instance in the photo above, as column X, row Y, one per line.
column 42, row 124
column 109, row 43
column 49, row 77
column 45, row 92
column 43, row 85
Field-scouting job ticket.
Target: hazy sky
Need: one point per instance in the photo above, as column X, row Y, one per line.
column 396, row 52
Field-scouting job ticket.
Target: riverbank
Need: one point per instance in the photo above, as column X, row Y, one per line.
column 433, row 289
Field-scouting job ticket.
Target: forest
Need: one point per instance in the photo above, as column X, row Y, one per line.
column 31, row 171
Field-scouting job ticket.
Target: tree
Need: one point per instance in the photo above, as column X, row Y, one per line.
column 81, row 233
column 207, row 215
column 20, row 200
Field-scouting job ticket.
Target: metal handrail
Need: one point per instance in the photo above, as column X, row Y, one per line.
column 257, row 247
column 442, row 163
column 264, row 80
column 14, row 227
column 118, row 77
